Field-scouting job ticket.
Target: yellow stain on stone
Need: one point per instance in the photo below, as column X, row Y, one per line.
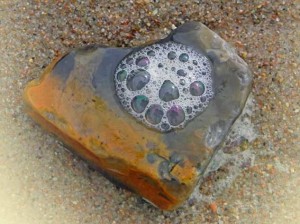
column 119, row 148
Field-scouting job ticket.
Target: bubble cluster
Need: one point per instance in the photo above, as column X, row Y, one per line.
column 164, row 85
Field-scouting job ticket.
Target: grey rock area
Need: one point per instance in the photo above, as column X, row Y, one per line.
column 225, row 76
column 228, row 158
column 231, row 82
column 231, row 77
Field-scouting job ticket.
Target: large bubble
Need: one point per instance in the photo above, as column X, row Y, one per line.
column 164, row 85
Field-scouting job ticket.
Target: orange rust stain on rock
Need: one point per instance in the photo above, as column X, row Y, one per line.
column 111, row 142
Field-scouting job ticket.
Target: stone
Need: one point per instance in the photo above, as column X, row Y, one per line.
column 104, row 103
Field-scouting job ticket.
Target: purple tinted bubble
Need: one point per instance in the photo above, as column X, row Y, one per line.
column 197, row 88
column 175, row 115
column 142, row 61
column 154, row 114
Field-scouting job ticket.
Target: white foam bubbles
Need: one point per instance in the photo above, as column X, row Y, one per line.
column 181, row 68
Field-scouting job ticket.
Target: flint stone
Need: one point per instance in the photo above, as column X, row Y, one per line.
column 75, row 98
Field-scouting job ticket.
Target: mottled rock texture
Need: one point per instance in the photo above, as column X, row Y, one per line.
column 76, row 99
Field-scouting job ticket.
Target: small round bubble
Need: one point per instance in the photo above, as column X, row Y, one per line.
column 137, row 79
column 165, row 126
column 142, row 61
column 129, row 61
column 139, row 103
column 181, row 72
column 182, row 82
column 184, row 57
column 189, row 109
column 168, row 91
column 151, row 53
column 175, row 115
column 197, row 88
column 121, row 75
column 154, row 114
column 172, row 55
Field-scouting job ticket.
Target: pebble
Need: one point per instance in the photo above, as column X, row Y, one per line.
column 149, row 91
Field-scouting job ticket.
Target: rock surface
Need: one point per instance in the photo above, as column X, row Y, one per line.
column 76, row 99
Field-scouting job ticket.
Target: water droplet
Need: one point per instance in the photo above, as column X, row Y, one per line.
column 197, row 88
column 195, row 62
column 160, row 65
column 138, row 79
column 121, row 76
column 190, row 67
column 181, row 72
column 175, row 115
column 173, row 69
column 203, row 73
column 184, row 57
column 154, row 114
column 142, row 61
column 171, row 55
column 139, row 103
column 168, row 91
